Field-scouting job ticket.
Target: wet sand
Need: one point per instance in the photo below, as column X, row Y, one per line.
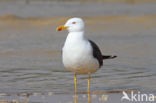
column 31, row 70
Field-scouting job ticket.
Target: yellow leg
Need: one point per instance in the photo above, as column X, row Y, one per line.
column 89, row 100
column 75, row 82
column 89, row 84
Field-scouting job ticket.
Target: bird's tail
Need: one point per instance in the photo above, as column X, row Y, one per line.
column 108, row 57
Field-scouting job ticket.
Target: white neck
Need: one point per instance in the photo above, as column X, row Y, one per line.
column 74, row 37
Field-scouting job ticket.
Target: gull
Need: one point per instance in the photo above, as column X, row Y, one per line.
column 80, row 55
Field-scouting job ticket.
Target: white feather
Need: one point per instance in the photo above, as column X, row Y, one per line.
column 77, row 51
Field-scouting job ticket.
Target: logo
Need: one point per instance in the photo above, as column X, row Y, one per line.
column 137, row 97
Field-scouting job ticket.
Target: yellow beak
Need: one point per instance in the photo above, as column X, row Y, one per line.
column 60, row 28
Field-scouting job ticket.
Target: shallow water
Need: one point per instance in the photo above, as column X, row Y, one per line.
column 30, row 52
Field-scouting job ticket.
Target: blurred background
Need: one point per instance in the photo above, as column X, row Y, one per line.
column 30, row 47
column 105, row 1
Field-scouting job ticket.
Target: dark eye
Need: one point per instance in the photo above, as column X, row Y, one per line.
column 73, row 22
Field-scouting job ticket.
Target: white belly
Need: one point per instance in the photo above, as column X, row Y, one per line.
column 79, row 59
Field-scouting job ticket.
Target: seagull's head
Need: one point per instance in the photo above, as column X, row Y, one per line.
column 73, row 25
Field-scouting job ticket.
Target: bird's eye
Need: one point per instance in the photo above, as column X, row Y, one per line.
column 73, row 22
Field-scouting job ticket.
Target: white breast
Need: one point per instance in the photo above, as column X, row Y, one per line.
column 77, row 56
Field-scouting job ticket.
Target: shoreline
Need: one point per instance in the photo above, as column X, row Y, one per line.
column 67, row 98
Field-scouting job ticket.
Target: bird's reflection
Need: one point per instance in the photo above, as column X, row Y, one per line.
column 76, row 98
column 89, row 99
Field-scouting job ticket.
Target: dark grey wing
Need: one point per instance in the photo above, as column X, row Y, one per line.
column 108, row 57
column 97, row 53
